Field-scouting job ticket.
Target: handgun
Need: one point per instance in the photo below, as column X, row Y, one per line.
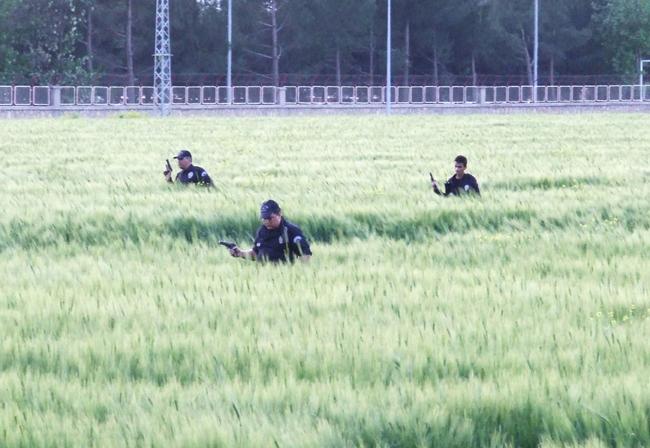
column 168, row 167
column 433, row 181
column 434, row 185
column 228, row 244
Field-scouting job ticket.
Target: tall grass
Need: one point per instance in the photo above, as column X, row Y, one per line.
column 518, row 319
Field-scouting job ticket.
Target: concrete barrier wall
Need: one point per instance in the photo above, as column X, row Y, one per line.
column 329, row 109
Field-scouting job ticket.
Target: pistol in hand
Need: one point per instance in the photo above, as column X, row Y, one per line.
column 168, row 168
column 232, row 248
column 228, row 244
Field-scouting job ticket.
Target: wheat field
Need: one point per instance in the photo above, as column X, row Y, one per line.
column 520, row 318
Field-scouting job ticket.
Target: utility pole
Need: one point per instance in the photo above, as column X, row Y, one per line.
column 162, row 72
column 229, row 80
column 536, row 51
column 388, row 58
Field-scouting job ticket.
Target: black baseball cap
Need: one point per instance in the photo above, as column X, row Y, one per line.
column 182, row 154
column 268, row 208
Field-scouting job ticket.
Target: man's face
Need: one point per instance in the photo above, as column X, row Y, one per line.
column 273, row 222
column 184, row 162
column 460, row 169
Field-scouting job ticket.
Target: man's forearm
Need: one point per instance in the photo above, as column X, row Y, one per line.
column 247, row 254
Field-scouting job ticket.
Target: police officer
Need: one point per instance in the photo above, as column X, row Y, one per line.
column 190, row 174
column 277, row 240
column 459, row 183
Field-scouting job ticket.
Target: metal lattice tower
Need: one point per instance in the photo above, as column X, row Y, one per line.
column 162, row 72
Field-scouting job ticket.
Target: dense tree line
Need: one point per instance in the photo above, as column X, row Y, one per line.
column 327, row 41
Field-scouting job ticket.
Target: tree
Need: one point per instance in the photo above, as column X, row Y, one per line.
column 405, row 14
column 111, row 41
column 87, row 8
column 450, row 28
column 40, row 41
column 331, row 33
column 117, row 43
column 625, row 32
column 561, row 32
column 478, row 41
column 510, row 30
column 262, row 35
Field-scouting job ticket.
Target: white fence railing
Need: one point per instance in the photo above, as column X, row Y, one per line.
column 63, row 96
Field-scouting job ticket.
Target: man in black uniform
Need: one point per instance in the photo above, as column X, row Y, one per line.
column 190, row 174
column 459, row 183
column 277, row 240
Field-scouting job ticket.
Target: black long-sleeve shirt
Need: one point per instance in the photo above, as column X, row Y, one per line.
column 456, row 187
column 283, row 244
column 194, row 175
